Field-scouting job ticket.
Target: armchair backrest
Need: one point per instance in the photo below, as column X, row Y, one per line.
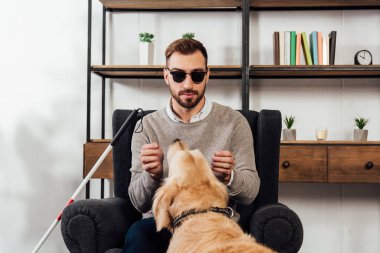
column 266, row 131
column 122, row 154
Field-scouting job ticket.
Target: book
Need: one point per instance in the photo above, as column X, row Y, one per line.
column 320, row 48
column 282, row 48
column 314, row 47
column 306, row 49
column 332, row 44
column 325, row 50
column 293, row 48
column 276, row 48
column 287, row 47
column 298, row 49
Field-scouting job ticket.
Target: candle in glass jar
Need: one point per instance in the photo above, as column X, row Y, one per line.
column 321, row 133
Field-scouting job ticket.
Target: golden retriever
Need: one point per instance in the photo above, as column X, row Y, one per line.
column 192, row 189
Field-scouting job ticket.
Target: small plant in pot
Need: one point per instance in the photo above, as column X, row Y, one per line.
column 188, row 36
column 146, row 37
column 146, row 48
column 289, row 134
column 360, row 134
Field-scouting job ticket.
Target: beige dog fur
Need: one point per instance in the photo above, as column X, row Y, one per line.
column 192, row 185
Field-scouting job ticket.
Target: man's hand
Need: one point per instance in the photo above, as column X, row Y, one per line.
column 222, row 164
column 151, row 159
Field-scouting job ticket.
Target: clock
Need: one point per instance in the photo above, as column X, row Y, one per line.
column 363, row 57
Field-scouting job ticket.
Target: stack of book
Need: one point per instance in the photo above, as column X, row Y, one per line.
column 317, row 50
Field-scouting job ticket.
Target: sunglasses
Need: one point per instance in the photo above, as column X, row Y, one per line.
column 179, row 76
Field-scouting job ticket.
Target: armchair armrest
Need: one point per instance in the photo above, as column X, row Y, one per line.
column 278, row 227
column 95, row 225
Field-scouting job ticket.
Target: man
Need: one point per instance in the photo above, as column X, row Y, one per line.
column 220, row 133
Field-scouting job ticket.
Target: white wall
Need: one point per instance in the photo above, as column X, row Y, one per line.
column 43, row 117
column 43, row 107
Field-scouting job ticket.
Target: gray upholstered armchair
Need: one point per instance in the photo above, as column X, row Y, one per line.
column 99, row 225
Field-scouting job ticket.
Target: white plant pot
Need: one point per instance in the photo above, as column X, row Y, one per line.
column 289, row 134
column 360, row 134
column 146, row 53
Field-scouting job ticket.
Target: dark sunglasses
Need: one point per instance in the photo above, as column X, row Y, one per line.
column 179, row 76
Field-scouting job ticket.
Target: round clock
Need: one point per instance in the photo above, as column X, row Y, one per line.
column 363, row 57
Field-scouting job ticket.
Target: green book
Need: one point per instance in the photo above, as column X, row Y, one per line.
column 293, row 38
column 306, row 49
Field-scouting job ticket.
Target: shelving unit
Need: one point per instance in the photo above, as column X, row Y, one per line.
column 247, row 73
column 155, row 72
column 328, row 161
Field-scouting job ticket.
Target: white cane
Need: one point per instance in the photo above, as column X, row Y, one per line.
column 88, row 177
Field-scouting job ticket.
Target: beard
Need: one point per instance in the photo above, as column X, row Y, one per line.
column 188, row 103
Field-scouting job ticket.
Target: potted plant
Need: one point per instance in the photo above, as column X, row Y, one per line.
column 289, row 134
column 146, row 48
column 360, row 134
column 188, row 36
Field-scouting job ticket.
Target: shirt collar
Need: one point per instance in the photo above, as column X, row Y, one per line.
column 203, row 113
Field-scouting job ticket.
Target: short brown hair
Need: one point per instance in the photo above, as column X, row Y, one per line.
column 185, row 47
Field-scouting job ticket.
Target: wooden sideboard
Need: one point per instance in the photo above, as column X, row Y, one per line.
column 330, row 161
column 300, row 161
column 92, row 151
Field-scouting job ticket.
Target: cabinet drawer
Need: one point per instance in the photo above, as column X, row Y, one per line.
column 354, row 164
column 303, row 164
column 91, row 153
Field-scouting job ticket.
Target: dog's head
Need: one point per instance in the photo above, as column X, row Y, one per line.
column 190, row 185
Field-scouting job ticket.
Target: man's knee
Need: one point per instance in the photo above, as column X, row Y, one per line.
column 143, row 237
column 140, row 231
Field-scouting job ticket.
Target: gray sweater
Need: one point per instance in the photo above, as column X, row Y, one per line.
column 223, row 129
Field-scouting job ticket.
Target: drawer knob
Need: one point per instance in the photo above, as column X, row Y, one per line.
column 369, row 165
column 286, row 164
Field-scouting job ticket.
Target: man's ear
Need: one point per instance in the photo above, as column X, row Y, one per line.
column 207, row 75
column 163, row 199
column 166, row 75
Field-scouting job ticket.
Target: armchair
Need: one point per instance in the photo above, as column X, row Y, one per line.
column 99, row 225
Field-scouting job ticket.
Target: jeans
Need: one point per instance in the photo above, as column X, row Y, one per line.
column 142, row 237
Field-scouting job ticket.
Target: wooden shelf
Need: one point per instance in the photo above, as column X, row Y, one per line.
column 170, row 4
column 311, row 71
column 256, row 71
column 337, row 143
column 236, row 4
column 314, row 4
column 155, row 72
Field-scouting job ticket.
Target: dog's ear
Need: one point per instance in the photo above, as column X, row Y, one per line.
column 162, row 201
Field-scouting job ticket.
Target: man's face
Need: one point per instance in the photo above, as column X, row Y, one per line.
column 187, row 93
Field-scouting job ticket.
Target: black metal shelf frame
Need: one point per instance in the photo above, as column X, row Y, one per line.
column 245, row 62
column 245, row 49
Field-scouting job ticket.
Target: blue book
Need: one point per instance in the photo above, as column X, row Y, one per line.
column 314, row 47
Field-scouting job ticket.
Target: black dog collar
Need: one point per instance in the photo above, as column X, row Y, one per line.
column 228, row 212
